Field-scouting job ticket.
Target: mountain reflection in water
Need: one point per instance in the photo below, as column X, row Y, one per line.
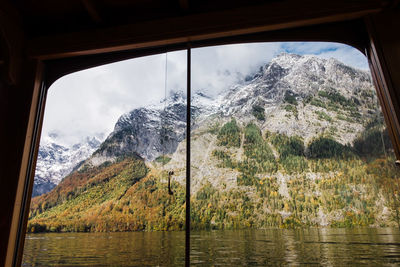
column 323, row 246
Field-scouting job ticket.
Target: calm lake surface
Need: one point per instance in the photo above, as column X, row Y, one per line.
column 328, row 247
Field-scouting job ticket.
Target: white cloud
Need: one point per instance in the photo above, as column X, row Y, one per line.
column 89, row 102
column 344, row 53
column 216, row 68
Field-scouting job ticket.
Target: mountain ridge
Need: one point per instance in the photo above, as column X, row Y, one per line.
column 56, row 160
column 291, row 146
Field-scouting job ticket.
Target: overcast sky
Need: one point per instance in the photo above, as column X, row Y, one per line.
column 89, row 102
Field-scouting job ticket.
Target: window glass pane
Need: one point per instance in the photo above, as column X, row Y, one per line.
column 110, row 176
column 291, row 162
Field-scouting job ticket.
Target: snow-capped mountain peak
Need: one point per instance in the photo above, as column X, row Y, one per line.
column 292, row 94
column 56, row 160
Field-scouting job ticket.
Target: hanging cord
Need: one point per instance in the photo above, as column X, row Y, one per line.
column 162, row 119
column 165, row 82
column 162, row 115
column 163, row 127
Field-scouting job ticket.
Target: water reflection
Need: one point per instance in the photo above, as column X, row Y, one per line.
column 324, row 246
column 105, row 249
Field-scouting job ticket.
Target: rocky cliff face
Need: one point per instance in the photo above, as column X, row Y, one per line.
column 147, row 132
column 300, row 76
column 55, row 161
column 294, row 92
column 294, row 95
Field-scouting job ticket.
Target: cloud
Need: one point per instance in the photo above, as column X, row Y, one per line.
column 344, row 53
column 214, row 69
column 89, row 102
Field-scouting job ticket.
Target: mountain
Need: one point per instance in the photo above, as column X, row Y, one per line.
column 140, row 131
column 55, row 161
column 153, row 131
column 300, row 142
column 305, row 81
column 302, row 89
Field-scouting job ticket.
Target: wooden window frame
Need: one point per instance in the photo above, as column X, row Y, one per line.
column 358, row 33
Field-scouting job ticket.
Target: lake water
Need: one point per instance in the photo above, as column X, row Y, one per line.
column 323, row 246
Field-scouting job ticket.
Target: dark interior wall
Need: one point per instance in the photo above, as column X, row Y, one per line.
column 384, row 58
column 15, row 105
column 20, row 78
column 5, row 159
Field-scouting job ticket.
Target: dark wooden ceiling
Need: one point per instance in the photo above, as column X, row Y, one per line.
column 46, row 17
column 64, row 28
column 53, row 29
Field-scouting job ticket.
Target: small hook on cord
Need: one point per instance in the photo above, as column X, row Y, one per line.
column 170, row 173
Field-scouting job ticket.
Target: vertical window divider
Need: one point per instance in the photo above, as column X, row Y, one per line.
column 188, row 126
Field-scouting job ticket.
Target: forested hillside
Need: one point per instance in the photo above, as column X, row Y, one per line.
column 299, row 143
column 317, row 184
